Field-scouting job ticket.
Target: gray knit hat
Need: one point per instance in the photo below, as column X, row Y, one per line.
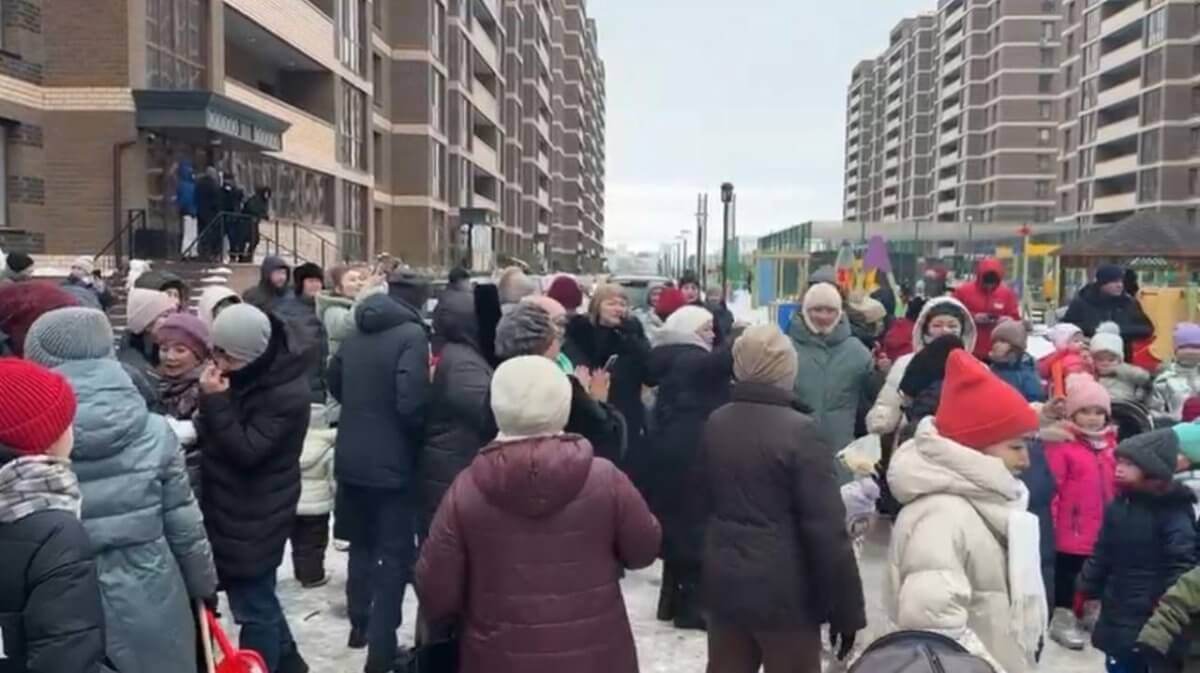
column 69, row 334
column 524, row 330
column 1154, row 452
column 243, row 332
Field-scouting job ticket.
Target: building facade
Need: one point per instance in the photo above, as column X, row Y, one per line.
column 423, row 128
column 1129, row 137
column 478, row 132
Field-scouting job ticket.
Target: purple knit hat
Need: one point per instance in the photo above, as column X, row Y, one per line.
column 187, row 330
column 1187, row 335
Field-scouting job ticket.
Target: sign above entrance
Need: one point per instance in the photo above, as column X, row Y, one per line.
column 211, row 112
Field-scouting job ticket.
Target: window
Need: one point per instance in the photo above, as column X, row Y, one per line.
column 1091, row 58
column 377, row 79
column 1065, row 206
column 1152, row 68
column 176, row 34
column 1193, row 181
column 435, row 167
column 437, row 96
column 354, row 220
column 1045, row 83
column 1047, row 30
column 1147, row 186
column 1152, row 106
column 352, row 126
column 1048, row 57
column 1068, row 108
column 350, row 31
column 1196, row 100
column 377, row 16
column 1069, row 77
column 377, row 153
column 1156, row 27
column 1044, row 138
column 1041, row 189
column 1195, row 138
column 1087, row 163
column 436, row 36
column 1041, row 214
column 1148, row 152
column 1043, row 163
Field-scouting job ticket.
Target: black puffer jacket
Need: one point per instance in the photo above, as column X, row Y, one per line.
column 253, row 436
column 589, row 345
column 51, row 617
column 1146, row 544
column 381, row 377
column 1091, row 307
column 692, row 383
column 1042, row 489
column 302, row 312
column 457, row 423
column 777, row 556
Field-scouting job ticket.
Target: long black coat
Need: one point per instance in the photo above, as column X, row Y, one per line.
column 1091, row 307
column 589, row 345
column 777, row 556
column 51, row 615
column 1042, row 488
column 457, row 424
column 381, row 377
column 250, row 465
column 1146, row 544
column 692, row 383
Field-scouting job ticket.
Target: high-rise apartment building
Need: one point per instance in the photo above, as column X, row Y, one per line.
column 991, row 92
column 1128, row 136
column 473, row 139
column 889, row 131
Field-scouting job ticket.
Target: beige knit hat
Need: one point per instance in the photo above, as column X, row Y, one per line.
column 144, row 306
column 764, row 355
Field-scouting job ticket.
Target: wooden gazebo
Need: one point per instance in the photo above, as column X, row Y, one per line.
column 1163, row 239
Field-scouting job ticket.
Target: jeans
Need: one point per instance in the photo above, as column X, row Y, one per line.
column 382, row 547
column 256, row 609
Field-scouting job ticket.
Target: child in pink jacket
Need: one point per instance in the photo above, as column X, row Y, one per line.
column 1084, row 463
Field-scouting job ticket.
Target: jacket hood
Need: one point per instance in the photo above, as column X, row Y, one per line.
column 454, row 318
column 802, row 334
column 213, row 295
column 970, row 332
column 270, row 264
column 379, row 313
column 534, row 477
column 161, row 280
column 328, row 300
column 665, row 356
column 111, row 413
column 931, row 464
column 984, row 266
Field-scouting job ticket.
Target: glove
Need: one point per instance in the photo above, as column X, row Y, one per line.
column 846, row 641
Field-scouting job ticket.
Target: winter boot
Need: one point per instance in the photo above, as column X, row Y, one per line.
column 358, row 638
column 292, row 662
column 667, row 595
column 1064, row 630
column 688, row 615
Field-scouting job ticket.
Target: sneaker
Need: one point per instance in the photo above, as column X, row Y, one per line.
column 315, row 583
column 341, row 545
column 358, row 638
column 1064, row 630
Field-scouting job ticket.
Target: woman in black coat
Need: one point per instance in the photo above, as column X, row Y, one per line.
column 608, row 337
column 693, row 381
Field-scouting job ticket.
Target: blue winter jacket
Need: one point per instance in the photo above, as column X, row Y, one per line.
column 147, row 533
column 185, row 189
column 1023, row 376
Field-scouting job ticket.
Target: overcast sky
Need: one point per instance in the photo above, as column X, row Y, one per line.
column 753, row 91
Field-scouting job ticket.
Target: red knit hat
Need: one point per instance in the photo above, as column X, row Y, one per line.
column 565, row 290
column 36, row 406
column 23, row 303
column 670, row 300
column 977, row 408
column 1191, row 409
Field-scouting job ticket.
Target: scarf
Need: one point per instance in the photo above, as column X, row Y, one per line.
column 181, row 394
column 1027, row 593
column 32, row 484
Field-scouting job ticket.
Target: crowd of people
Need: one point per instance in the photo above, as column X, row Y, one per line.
column 511, row 454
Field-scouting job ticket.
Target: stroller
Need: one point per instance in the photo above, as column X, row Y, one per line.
column 1133, row 418
column 918, row 652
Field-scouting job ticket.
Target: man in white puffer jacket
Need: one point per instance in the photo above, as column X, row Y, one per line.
column 310, row 533
column 964, row 558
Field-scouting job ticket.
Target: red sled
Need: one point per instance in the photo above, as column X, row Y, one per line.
column 232, row 660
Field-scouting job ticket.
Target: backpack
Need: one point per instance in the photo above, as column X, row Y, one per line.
column 918, row 652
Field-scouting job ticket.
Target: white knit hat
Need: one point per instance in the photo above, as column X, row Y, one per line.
column 144, row 306
column 1108, row 340
column 84, row 264
column 531, row 397
column 1062, row 333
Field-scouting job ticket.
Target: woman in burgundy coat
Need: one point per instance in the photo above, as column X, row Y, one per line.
column 527, row 546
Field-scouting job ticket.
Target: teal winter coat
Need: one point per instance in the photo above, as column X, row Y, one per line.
column 832, row 379
column 146, row 530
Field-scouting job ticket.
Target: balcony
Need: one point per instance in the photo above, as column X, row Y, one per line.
column 544, row 91
column 485, row 102
column 484, row 156
column 1118, row 130
column 1121, row 56
column 1134, row 12
column 955, row 15
column 302, row 26
column 543, row 162
column 947, row 206
column 852, row 166
column 945, row 137
column 1119, row 93
column 951, row 113
column 543, row 127
column 310, row 141
column 893, row 198
column 1118, row 166
column 543, row 198
column 893, row 124
column 953, row 39
column 892, row 142
column 952, row 89
column 484, row 44
column 1116, row 202
column 948, row 183
column 953, row 65
column 948, row 160
column 480, row 201
column 893, row 162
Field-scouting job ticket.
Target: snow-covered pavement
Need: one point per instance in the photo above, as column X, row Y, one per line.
column 318, row 619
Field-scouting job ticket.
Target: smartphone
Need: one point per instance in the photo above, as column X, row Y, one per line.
column 612, row 360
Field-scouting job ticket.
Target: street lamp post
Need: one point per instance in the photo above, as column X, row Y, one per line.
column 727, row 202
column 701, row 237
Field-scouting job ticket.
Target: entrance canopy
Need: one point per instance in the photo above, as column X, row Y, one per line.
column 209, row 113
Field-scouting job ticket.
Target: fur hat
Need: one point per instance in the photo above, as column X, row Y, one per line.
column 978, row 408
column 69, row 334
column 1108, row 340
column 23, row 303
column 1187, row 335
column 763, row 354
column 187, row 330
column 1011, row 332
column 1155, row 452
column 36, row 406
column 531, row 397
column 304, row 272
column 1083, row 392
column 243, row 332
column 144, row 306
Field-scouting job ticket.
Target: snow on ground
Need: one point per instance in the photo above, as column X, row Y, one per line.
column 318, row 620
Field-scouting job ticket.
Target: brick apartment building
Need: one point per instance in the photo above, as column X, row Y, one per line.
column 379, row 126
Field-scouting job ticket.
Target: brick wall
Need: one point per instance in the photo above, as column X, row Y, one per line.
column 90, row 45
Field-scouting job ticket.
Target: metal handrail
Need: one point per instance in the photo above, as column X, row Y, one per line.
column 133, row 217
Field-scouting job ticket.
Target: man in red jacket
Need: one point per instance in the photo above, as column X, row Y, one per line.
column 988, row 299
